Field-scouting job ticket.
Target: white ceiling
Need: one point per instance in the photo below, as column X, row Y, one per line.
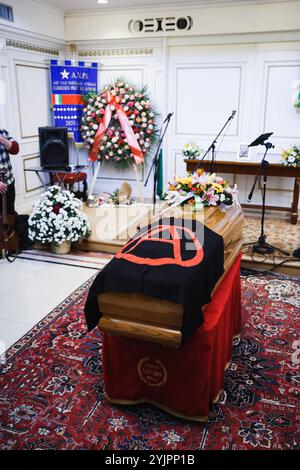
column 86, row 5
column 72, row 5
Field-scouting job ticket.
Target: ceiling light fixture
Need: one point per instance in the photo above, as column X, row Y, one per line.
column 102, row 1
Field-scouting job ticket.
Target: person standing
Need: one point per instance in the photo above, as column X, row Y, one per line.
column 8, row 146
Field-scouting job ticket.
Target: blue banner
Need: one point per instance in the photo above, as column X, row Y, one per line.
column 68, row 84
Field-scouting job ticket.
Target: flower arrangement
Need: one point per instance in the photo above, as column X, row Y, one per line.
column 191, row 150
column 57, row 218
column 118, row 124
column 117, row 198
column 206, row 189
column 291, row 156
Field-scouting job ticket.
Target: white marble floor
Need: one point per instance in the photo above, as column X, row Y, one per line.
column 29, row 290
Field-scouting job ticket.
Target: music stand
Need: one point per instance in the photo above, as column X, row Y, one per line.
column 261, row 246
column 261, row 139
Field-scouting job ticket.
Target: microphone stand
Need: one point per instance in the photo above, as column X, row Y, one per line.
column 212, row 146
column 156, row 159
column 261, row 246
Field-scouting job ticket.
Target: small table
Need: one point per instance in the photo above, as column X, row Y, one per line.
column 252, row 168
column 57, row 172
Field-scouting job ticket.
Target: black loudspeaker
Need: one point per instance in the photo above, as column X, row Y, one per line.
column 54, row 147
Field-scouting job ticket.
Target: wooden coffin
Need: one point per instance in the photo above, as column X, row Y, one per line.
column 146, row 318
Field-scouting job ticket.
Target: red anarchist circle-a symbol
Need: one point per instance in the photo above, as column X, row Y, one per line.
column 174, row 240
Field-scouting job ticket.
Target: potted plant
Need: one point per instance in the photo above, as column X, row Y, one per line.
column 57, row 220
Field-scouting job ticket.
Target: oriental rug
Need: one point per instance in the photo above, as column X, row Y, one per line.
column 281, row 234
column 52, row 397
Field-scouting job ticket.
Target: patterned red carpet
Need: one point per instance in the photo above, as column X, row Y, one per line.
column 51, row 389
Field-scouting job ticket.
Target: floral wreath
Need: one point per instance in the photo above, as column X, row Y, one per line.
column 118, row 124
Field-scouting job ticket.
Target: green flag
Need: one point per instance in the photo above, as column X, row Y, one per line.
column 160, row 178
column 297, row 100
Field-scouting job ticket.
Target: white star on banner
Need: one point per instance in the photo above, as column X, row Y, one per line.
column 65, row 74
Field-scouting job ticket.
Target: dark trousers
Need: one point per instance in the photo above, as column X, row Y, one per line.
column 10, row 196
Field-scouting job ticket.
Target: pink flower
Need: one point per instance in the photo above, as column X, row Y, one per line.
column 234, row 193
column 210, row 197
column 200, row 179
column 130, row 104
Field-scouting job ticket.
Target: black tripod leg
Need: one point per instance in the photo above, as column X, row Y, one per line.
column 277, row 249
column 249, row 243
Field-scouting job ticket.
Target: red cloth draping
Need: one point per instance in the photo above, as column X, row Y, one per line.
column 184, row 381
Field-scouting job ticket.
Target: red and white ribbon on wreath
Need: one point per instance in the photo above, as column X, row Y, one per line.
column 127, row 129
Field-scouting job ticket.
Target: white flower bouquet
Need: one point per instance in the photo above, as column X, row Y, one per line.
column 57, row 217
column 291, row 156
column 191, row 150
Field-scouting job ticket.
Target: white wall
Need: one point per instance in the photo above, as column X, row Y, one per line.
column 202, row 84
column 27, row 46
column 26, row 77
column 230, row 19
column 207, row 82
column 243, row 57
column 33, row 18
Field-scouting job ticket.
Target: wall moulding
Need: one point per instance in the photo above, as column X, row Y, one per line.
column 12, row 44
column 26, row 159
column 117, row 52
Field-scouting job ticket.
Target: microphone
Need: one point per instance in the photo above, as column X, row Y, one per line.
column 168, row 117
column 250, row 195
